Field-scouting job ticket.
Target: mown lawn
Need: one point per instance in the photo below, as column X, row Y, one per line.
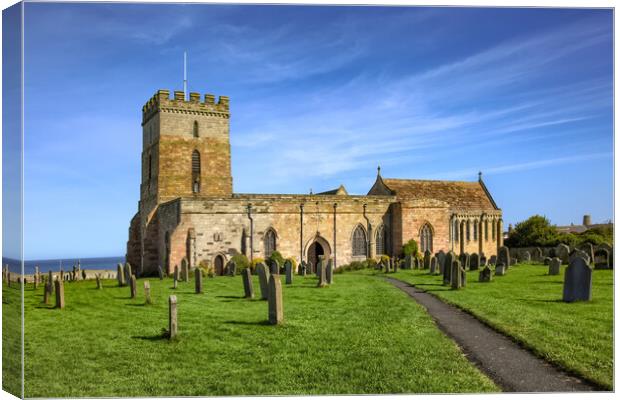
column 360, row 335
column 527, row 305
column 11, row 339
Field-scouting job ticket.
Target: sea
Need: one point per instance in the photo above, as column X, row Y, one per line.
column 67, row 264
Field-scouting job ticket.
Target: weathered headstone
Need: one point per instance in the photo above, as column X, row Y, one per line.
column 263, row 280
column 98, row 278
column 276, row 314
column 601, row 259
column 485, row 274
column 247, row 283
column 493, row 260
column 83, row 272
column 464, row 260
column 395, row 265
column 198, row 280
column 514, row 261
column 562, row 252
column 474, row 261
column 302, row 268
column 288, row 269
column 321, row 272
column 500, row 269
column 589, row 250
column 408, row 262
column 610, row 251
column 546, row 260
column 120, row 275
column 128, row 272
column 274, row 267
column 160, row 272
column 483, row 260
column 447, row 270
column 441, row 260
column 175, row 277
column 184, row 270
column 434, row 270
column 386, row 265
column 455, row 275
column 554, row 266
column 60, row 294
column 47, row 292
column 579, row 253
column 231, row 268
column 427, row 259
column 172, row 317
column 577, row 281
column 537, row 254
column 329, row 272
column 132, row 286
column 147, row 293
column 525, row 257
column 503, row 256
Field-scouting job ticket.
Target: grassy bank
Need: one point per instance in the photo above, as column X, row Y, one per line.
column 360, row 335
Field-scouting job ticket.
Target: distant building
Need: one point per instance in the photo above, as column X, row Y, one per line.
column 586, row 224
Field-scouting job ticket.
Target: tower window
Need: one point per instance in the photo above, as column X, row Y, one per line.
column 196, row 171
column 195, row 130
column 359, row 242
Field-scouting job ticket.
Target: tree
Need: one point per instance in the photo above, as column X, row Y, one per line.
column 534, row 231
column 411, row 248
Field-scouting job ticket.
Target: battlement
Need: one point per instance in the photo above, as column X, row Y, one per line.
column 161, row 101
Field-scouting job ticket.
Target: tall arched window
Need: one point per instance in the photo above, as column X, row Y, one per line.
column 455, row 232
column 195, row 131
column 426, row 238
column 475, row 230
column 359, row 242
column 196, row 171
column 493, row 230
column 270, row 242
column 467, row 230
column 486, row 230
column 382, row 244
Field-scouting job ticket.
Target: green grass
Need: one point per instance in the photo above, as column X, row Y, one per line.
column 360, row 335
column 527, row 305
column 11, row 339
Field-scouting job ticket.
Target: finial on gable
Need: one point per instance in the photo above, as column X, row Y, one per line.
column 378, row 170
column 479, row 176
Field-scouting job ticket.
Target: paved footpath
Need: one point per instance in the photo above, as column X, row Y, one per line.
column 510, row 366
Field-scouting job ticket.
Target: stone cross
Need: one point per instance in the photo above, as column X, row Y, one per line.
column 329, row 272
column 172, row 316
column 456, row 277
column 198, row 279
column 147, row 293
column 263, row 280
column 500, row 269
column 276, row 315
column 132, row 286
column 248, row 288
column 485, row 274
column 577, row 281
column 554, row 266
column 60, row 294
column 288, row 267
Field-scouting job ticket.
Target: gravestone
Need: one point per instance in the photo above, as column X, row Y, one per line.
column 579, row 253
column 514, row 261
column 172, row 317
column 500, row 269
column 427, row 259
column 562, row 252
column 128, row 272
column 386, row 265
column 485, row 274
column 98, row 278
column 526, row 257
column 463, row 277
column 329, row 272
column 132, row 286
column 464, row 260
column 483, row 260
column 395, row 265
column 416, row 263
column 49, row 276
column 147, row 293
column 321, row 272
column 537, row 254
column 554, row 266
column 274, row 267
column 577, row 281
column 47, row 292
column 60, row 294
column 309, row 267
column 231, row 268
column 288, row 269
column 589, row 250
column 503, row 256
column 409, row 262
column 474, row 261
column 175, row 276
column 455, row 275
column 247, row 283
column 441, row 259
column 184, row 270
column 160, row 273
column 601, row 259
column 120, row 274
column 434, row 270
column 493, row 260
column 263, row 280
column 447, row 270
column 276, row 315
column 610, row 251
column 546, row 260
column 198, row 280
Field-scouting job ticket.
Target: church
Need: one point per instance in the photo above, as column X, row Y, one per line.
column 188, row 209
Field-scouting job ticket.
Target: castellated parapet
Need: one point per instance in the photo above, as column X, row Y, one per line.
column 161, row 101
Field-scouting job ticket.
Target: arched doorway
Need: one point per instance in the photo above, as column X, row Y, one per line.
column 314, row 251
column 218, row 265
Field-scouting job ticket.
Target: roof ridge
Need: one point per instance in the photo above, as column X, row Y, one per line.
column 426, row 180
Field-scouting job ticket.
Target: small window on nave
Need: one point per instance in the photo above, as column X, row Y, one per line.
column 426, row 238
column 359, row 242
column 270, row 242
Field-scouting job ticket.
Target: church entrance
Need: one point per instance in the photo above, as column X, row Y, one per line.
column 219, row 265
column 314, row 251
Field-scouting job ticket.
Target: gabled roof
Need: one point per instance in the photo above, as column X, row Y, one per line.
column 459, row 194
column 341, row 191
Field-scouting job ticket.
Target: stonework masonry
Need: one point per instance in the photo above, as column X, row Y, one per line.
column 187, row 207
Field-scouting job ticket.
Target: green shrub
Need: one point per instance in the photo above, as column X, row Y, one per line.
column 242, row 262
column 356, row 266
column 411, row 248
column 276, row 256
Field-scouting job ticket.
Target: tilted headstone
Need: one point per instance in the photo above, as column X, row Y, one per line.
column 198, row 280
column 147, row 293
column 434, row 270
column 172, row 317
column 503, row 256
column 427, row 259
column 263, row 280
column 247, row 283
column 554, row 266
column 601, row 259
column 485, row 274
column 456, row 277
column 120, row 275
column 562, row 252
column 276, row 314
column 329, row 272
column 160, row 272
column 132, row 286
column 288, row 269
column 474, row 261
column 60, row 294
column 500, row 269
column 577, row 281
column 447, row 270
column 128, row 272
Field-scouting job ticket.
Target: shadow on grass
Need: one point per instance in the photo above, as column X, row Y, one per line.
column 152, row 338
column 45, row 306
column 542, row 301
column 230, row 297
column 248, row 323
column 136, row 305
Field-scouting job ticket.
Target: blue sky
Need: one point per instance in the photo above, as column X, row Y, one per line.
column 319, row 96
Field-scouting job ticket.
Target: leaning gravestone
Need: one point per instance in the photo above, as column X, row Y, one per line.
column 554, row 266
column 172, row 317
column 147, row 293
column 500, row 269
column 601, row 259
column 132, row 286
column 263, row 280
column 160, row 272
column 434, row 269
column 562, row 251
column 577, row 281
column 329, row 273
column 485, row 274
column 198, row 280
column 247, row 283
column 427, row 259
column 288, row 269
column 447, row 270
column 120, row 275
column 474, row 261
column 128, row 272
column 60, row 294
column 276, row 315
column 503, row 256
column 455, row 275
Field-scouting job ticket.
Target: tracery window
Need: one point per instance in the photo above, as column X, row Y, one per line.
column 426, row 238
column 455, row 231
column 359, row 242
column 270, row 242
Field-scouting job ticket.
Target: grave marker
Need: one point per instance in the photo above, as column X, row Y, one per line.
column 276, row 315
column 60, row 294
column 577, row 281
column 172, row 316
column 248, row 288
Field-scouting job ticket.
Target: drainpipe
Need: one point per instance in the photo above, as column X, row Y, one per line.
column 251, row 231
column 301, row 232
column 335, row 265
column 369, row 228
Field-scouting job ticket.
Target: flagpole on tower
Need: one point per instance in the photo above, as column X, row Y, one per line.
column 185, row 75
